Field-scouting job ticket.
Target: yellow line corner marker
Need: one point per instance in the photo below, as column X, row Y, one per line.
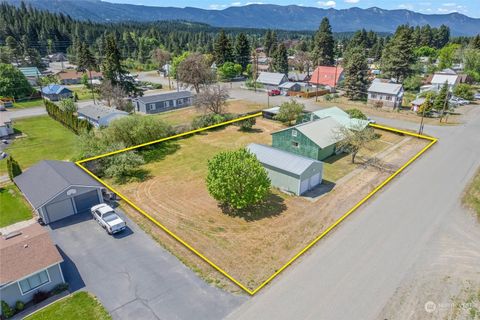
column 312, row 243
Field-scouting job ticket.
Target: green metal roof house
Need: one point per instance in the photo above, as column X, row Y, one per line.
column 287, row 171
column 339, row 115
column 315, row 139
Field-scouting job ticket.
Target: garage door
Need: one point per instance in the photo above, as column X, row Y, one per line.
column 86, row 200
column 59, row 210
column 314, row 180
column 304, row 186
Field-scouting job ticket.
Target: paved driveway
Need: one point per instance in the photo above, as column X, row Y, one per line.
column 133, row 276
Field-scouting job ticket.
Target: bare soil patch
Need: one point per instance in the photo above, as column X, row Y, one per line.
column 250, row 248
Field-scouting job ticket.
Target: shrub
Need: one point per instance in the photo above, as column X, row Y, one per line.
column 68, row 119
column 356, row 114
column 464, row 91
column 378, row 104
column 208, row 120
column 13, row 168
column 7, row 312
column 19, row 306
column 246, row 124
column 40, row 296
column 59, row 288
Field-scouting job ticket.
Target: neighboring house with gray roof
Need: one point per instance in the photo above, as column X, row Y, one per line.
column 29, row 262
column 271, row 80
column 58, row 189
column 162, row 102
column 287, row 171
column 389, row 94
column 100, row 116
column 315, row 139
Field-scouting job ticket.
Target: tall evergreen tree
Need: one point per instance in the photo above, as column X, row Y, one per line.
column 87, row 62
column 398, row 58
column 242, row 50
column 222, row 49
column 112, row 67
column 323, row 52
column 440, row 101
column 280, row 59
column 355, row 71
column 13, row 168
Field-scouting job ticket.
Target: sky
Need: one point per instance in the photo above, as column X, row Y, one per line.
column 468, row 7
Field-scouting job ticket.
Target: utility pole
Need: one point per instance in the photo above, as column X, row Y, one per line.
column 420, row 130
column 255, row 69
column 91, row 86
column 447, row 97
column 318, row 75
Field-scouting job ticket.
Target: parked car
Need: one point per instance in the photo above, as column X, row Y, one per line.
column 459, row 101
column 4, row 141
column 108, row 218
column 3, row 155
column 274, row 92
column 476, row 96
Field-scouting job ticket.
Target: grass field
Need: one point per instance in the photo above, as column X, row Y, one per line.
column 82, row 92
column 28, row 104
column 80, row 305
column 186, row 115
column 471, row 197
column 251, row 246
column 13, row 206
column 42, row 138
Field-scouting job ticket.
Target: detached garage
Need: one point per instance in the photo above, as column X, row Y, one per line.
column 288, row 171
column 59, row 189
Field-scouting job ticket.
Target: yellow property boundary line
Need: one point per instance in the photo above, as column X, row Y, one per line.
column 312, row 243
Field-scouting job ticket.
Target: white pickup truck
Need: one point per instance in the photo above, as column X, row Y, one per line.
column 107, row 218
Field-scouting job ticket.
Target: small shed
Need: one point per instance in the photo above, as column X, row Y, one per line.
column 6, row 126
column 289, row 86
column 416, row 104
column 100, row 116
column 59, row 189
column 270, row 113
column 339, row 115
column 56, row 92
column 271, row 79
column 287, row 171
column 315, row 139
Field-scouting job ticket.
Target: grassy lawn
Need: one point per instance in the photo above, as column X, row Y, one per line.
column 250, row 245
column 13, row 206
column 82, row 92
column 28, row 104
column 186, row 115
column 471, row 197
column 80, row 305
column 42, row 138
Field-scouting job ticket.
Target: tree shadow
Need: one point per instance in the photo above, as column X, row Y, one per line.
column 159, row 151
column 251, row 130
column 273, row 206
column 336, row 157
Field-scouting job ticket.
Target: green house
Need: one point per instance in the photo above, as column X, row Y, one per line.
column 315, row 139
column 338, row 114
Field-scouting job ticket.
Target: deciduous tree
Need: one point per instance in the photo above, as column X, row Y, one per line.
column 195, row 71
column 289, row 111
column 237, row 179
column 212, row 99
column 352, row 141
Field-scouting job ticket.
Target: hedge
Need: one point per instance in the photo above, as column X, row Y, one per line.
column 68, row 119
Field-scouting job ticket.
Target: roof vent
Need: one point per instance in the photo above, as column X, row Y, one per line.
column 12, row 235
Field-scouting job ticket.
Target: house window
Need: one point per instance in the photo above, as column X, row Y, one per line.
column 373, row 96
column 294, row 133
column 295, row 144
column 34, row 281
column 151, row 106
column 166, row 104
column 179, row 102
column 388, row 98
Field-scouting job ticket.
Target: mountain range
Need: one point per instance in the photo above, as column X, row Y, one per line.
column 290, row 17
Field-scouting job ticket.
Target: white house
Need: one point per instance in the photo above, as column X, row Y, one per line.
column 389, row 94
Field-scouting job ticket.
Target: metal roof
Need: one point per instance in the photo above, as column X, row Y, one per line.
column 271, row 78
column 280, row 159
column 322, row 132
column 30, row 72
column 172, row 95
column 342, row 117
column 288, row 85
column 42, row 182
column 385, row 87
column 94, row 111
column 54, row 89
column 440, row 79
column 274, row 110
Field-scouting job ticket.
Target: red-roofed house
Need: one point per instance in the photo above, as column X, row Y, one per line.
column 327, row 76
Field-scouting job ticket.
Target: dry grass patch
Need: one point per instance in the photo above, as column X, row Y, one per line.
column 185, row 116
column 249, row 248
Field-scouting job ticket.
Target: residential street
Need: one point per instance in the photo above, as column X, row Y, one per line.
column 413, row 223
